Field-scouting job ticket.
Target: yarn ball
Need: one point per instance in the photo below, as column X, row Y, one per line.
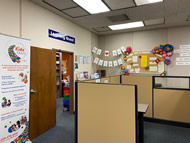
column 167, row 61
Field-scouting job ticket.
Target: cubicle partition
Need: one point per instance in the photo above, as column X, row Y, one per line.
column 106, row 112
column 172, row 98
column 144, row 84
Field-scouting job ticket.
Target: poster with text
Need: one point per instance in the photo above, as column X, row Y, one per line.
column 14, row 89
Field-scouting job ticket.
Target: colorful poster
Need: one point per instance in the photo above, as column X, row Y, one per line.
column 143, row 61
column 80, row 59
column 14, row 89
column 76, row 66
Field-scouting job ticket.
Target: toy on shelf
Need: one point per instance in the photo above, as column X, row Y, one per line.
column 164, row 73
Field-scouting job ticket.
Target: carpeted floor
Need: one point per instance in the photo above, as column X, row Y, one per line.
column 153, row 133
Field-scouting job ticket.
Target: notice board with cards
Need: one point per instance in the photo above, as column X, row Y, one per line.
column 145, row 62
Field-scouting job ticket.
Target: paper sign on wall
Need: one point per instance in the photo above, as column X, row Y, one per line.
column 96, row 60
column 119, row 51
column 182, row 59
column 128, row 60
column 99, row 51
column 115, row 63
column 105, row 63
column 135, row 65
column 182, row 63
column 114, row 53
column 120, row 62
column 143, row 61
column 153, row 68
column 110, row 63
column 107, row 53
column 100, row 63
column 152, row 58
column 185, row 54
column 152, row 63
column 14, row 89
column 160, row 67
column 137, row 70
column 184, row 46
column 135, row 59
column 128, row 67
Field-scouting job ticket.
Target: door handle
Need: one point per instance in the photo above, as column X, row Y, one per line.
column 32, row 91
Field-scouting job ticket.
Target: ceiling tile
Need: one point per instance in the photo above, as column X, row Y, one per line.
column 118, row 18
column 119, row 4
column 102, row 29
column 154, row 22
column 61, row 4
column 75, row 12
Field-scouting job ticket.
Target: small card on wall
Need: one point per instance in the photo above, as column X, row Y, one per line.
column 123, row 49
column 96, row 60
column 119, row 51
column 105, row 63
column 115, row 63
column 106, row 53
column 110, row 64
column 120, row 62
column 114, row 53
column 137, row 70
column 99, row 51
column 100, row 62
column 94, row 50
column 128, row 67
column 135, row 59
column 153, row 68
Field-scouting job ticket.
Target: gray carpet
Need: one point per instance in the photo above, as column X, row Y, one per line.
column 154, row 133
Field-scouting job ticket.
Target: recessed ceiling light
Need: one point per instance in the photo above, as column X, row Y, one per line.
column 127, row 25
column 154, row 22
column 143, row 2
column 92, row 6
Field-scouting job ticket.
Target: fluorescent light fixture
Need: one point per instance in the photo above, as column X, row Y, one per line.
column 92, row 6
column 127, row 25
column 143, row 2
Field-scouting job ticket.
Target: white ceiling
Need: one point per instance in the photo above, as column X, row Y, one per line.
column 169, row 13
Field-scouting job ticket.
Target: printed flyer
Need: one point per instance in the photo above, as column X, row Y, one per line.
column 14, row 89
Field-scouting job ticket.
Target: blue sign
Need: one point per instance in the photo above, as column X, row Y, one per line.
column 60, row 36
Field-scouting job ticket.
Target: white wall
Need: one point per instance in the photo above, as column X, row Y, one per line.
column 31, row 21
column 146, row 41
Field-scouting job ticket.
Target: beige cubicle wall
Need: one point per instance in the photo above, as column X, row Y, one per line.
column 115, row 79
column 172, row 105
column 144, row 92
column 103, row 115
column 105, row 80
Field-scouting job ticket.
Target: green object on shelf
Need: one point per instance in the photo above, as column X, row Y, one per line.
column 66, row 97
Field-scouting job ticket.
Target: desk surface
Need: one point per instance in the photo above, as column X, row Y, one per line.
column 142, row 108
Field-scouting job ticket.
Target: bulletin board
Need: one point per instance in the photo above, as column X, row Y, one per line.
column 138, row 60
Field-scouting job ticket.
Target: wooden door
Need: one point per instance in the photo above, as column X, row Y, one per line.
column 43, row 101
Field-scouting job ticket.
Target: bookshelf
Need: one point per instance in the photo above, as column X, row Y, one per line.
column 58, row 74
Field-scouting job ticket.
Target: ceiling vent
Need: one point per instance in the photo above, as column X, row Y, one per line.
column 118, row 18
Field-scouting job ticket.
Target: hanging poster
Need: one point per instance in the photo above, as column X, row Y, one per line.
column 123, row 49
column 96, row 60
column 107, row 53
column 119, row 51
column 115, row 63
column 14, row 89
column 87, row 59
column 94, row 50
column 114, row 53
column 120, row 62
column 99, row 51
column 110, row 63
column 105, row 63
column 100, row 62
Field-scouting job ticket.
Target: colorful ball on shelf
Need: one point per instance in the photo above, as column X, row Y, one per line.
column 157, row 60
column 168, row 48
column 125, row 58
column 125, row 70
column 122, row 67
column 167, row 61
column 127, row 73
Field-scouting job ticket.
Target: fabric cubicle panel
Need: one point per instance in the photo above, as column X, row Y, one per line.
column 144, row 92
column 103, row 115
column 115, row 79
column 105, row 80
column 172, row 105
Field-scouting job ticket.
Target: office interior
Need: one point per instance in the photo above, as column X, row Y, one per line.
column 112, row 84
